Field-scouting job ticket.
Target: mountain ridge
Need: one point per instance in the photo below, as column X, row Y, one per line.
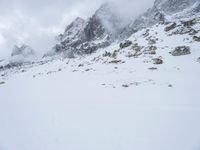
column 105, row 27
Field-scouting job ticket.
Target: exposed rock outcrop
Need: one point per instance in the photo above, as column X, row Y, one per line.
column 181, row 50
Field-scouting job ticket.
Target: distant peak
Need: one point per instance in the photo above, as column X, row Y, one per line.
column 104, row 8
column 79, row 19
column 24, row 50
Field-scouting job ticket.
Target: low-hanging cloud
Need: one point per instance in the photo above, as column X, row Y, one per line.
column 37, row 22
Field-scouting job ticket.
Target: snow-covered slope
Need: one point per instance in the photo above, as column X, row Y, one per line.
column 107, row 26
column 141, row 93
column 160, row 12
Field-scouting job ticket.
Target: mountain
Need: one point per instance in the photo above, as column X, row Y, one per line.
column 138, row 93
column 158, row 13
column 73, row 30
column 20, row 55
column 85, row 37
column 107, row 26
column 24, row 51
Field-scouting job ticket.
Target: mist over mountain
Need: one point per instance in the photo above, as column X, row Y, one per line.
column 110, row 23
column 36, row 23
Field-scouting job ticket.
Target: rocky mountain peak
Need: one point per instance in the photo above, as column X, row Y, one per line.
column 105, row 22
column 158, row 13
column 75, row 24
column 24, row 50
column 73, row 30
column 107, row 25
column 87, row 36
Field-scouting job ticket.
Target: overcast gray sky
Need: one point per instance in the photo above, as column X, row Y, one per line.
column 37, row 22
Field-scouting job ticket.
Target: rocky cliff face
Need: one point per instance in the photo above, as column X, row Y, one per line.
column 73, row 30
column 158, row 13
column 105, row 26
column 85, row 37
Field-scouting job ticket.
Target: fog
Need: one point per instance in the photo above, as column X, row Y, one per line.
column 37, row 22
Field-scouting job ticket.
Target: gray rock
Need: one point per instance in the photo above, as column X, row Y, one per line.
column 170, row 27
column 170, row 86
column 152, row 41
column 125, row 44
column 137, row 48
column 150, row 50
column 153, row 68
column 196, row 38
column 181, row 50
column 158, row 61
column 189, row 23
column 115, row 61
column 198, row 60
column 2, row 82
column 125, row 85
column 81, row 65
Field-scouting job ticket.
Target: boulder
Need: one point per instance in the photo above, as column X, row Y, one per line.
column 170, row 27
column 196, row 38
column 158, row 61
column 198, row 60
column 189, row 23
column 181, row 50
column 125, row 44
column 137, row 48
column 2, row 82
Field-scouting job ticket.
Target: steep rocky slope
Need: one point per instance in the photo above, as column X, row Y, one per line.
column 85, row 37
column 159, row 13
column 102, row 31
column 107, row 26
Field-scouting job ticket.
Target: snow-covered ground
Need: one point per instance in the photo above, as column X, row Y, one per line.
column 106, row 102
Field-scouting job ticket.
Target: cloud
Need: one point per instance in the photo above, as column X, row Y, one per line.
column 37, row 22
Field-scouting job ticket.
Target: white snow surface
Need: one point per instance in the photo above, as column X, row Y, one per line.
column 91, row 103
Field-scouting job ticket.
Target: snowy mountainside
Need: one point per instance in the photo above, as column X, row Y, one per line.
column 140, row 93
column 85, row 37
column 73, row 30
column 107, row 26
column 149, row 50
column 160, row 12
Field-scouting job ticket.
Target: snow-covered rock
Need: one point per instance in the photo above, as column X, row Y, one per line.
column 19, row 56
column 24, row 51
column 85, row 37
column 106, row 26
column 160, row 13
